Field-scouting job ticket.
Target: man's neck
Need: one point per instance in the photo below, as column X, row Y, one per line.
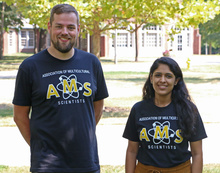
column 59, row 55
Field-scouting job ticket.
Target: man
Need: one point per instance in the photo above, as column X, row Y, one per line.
column 64, row 88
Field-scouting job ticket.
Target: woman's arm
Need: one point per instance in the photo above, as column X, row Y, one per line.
column 131, row 155
column 197, row 156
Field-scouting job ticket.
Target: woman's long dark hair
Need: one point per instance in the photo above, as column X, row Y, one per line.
column 185, row 108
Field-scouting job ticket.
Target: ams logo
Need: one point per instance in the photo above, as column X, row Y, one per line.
column 70, row 87
column 161, row 133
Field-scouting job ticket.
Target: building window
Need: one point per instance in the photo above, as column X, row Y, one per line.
column 171, row 43
column 188, row 39
column 10, row 38
column 153, row 27
column 151, row 40
column 160, row 40
column 179, row 43
column 122, row 40
column 131, row 40
column 27, row 39
column 142, row 39
column 151, row 36
column 113, row 40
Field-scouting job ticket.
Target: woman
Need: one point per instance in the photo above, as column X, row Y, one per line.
column 162, row 125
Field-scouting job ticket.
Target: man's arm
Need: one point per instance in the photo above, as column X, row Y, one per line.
column 98, row 108
column 21, row 118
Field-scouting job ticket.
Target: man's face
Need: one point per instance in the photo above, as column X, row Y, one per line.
column 63, row 31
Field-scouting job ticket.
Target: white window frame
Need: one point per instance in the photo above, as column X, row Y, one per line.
column 180, row 42
column 151, row 40
column 11, row 38
column 188, row 40
column 124, row 39
column 151, row 37
column 12, row 41
column 26, row 39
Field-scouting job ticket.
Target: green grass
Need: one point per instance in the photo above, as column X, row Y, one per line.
column 12, row 62
column 6, row 115
column 214, row 68
column 128, row 85
column 125, row 86
column 209, row 168
column 6, row 110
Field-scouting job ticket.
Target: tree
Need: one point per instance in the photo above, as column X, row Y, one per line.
column 93, row 15
column 100, row 16
column 10, row 17
column 180, row 14
column 2, row 29
column 39, row 12
column 210, row 33
column 145, row 13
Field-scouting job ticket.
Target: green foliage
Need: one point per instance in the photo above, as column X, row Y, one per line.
column 100, row 16
column 6, row 110
column 110, row 14
column 210, row 32
column 195, row 12
column 12, row 17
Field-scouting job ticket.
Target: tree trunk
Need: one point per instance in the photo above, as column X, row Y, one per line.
column 136, row 44
column 210, row 48
column 96, row 40
column 2, row 31
column 35, row 39
column 42, row 44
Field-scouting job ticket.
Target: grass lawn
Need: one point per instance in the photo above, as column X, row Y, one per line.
column 12, row 62
column 210, row 168
column 125, row 81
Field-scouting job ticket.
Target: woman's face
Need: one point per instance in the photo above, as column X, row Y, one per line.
column 163, row 81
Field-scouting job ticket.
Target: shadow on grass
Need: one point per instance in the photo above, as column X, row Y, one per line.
column 136, row 77
column 198, row 80
column 110, row 112
column 19, row 56
column 12, row 62
column 124, row 60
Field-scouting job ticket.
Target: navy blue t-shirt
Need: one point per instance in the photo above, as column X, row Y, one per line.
column 61, row 94
column 157, row 131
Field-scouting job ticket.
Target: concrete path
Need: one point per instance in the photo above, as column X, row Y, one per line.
column 112, row 147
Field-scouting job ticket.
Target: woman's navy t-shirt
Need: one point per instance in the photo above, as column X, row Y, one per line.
column 157, row 130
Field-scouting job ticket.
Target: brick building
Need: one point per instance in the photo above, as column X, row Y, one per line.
column 152, row 42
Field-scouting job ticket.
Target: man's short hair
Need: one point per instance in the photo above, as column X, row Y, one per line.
column 63, row 8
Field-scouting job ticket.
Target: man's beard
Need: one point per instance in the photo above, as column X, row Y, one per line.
column 63, row 49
